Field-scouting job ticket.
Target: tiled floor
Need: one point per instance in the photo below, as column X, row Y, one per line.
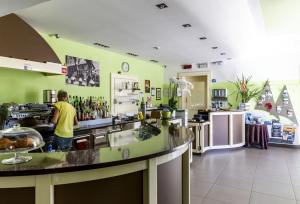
column 246, row 175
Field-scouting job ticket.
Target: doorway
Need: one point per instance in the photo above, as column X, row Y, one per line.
column 200, row 96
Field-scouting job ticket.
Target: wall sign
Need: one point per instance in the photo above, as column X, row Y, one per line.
column 82, row 72
column 158, row 93
column 152, row 91
column 147, row 86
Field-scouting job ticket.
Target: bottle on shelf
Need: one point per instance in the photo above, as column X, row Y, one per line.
column 89, row 108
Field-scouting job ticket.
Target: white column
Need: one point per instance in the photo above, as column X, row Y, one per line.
column 44, row 190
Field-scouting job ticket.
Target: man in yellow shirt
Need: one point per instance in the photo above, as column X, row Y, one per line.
column 65, row 119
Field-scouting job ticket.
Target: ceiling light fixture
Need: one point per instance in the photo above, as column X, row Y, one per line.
column 155, row 61
column 132, row 54
column 203, row 38
column 187, row 25
column 229, row 58
column 156, row 47
column 214, row 47
column 161, row 6
column 101, row 45
column 223, row 53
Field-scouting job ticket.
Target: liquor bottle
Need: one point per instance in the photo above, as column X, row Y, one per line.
column 70, row 99
column 73, row 101
column 76, row 102
column 143, row 110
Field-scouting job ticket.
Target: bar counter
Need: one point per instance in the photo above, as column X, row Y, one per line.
column 223, row 130
column 137, row 168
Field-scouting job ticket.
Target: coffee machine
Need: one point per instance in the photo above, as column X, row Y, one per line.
column 36, row 116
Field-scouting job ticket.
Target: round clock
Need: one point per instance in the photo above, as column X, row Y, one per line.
column 125, row 67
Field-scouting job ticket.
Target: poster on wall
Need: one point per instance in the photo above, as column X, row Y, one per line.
column 158, row 93
column 82, row 72
column 152, row 91
column 147, row 86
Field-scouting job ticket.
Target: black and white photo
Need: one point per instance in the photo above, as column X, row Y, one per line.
column 82, row 72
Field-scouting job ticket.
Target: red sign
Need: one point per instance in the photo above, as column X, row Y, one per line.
column 64, row 70
column 187, row 66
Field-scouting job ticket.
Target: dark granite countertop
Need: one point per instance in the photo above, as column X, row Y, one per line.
column 86, row 128
column 125, row 147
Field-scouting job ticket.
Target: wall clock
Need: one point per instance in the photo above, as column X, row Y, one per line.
column 125, row 67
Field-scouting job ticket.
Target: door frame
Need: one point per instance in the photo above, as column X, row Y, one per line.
column 208, row 80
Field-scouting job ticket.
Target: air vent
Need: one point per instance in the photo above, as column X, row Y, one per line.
column 155, row 61
column 217, row 62
column 202, row 65
column 132, row 54
column 222, row 53
column 214, row 47
column 187, row 25
column 203, row 38
column 101, row 45
column 161, row 6
column 56, row 35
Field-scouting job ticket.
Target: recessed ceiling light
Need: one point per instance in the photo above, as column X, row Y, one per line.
column 101, row 45
column 161, row 6
column 203, row 38
column 154, row 61
column 132, row 54
column 214, row 47
column 223, row 53
column 156, row 47
column 187, row 25
column 229, row 58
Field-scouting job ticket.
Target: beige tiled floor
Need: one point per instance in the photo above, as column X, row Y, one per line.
column 250, row 176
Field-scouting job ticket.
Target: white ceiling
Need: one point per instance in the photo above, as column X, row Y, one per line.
column 137, row 26
column 10, row 6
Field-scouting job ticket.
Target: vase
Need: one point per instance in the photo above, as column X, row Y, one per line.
column 174, row 114
column 244, row 106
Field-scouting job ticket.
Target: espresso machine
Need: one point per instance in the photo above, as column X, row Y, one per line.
column 32, row 115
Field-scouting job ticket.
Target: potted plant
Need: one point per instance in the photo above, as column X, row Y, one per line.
column 173, row 99
column 3, row 114
column 245, row 91
column 181, row 85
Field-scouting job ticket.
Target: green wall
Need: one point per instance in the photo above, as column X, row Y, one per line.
column 25, row 86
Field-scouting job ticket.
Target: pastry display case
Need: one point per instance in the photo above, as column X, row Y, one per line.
column 19, row 140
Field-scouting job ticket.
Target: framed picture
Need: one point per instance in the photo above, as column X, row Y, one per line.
column 158, row 93
column 152, row 91
column 135, row 85
column 147, row 86
column 82, row 72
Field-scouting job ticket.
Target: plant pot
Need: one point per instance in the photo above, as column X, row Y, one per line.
column 174, row 114
column 166, row 114
column 244, row 106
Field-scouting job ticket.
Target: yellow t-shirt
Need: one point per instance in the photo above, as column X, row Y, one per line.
column 65, row 123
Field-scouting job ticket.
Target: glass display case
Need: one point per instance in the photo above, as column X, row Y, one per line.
column 19, row 140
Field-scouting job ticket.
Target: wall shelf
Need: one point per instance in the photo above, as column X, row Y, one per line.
column 27, row 65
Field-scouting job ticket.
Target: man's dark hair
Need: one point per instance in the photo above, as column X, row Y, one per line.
column 61, row 94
